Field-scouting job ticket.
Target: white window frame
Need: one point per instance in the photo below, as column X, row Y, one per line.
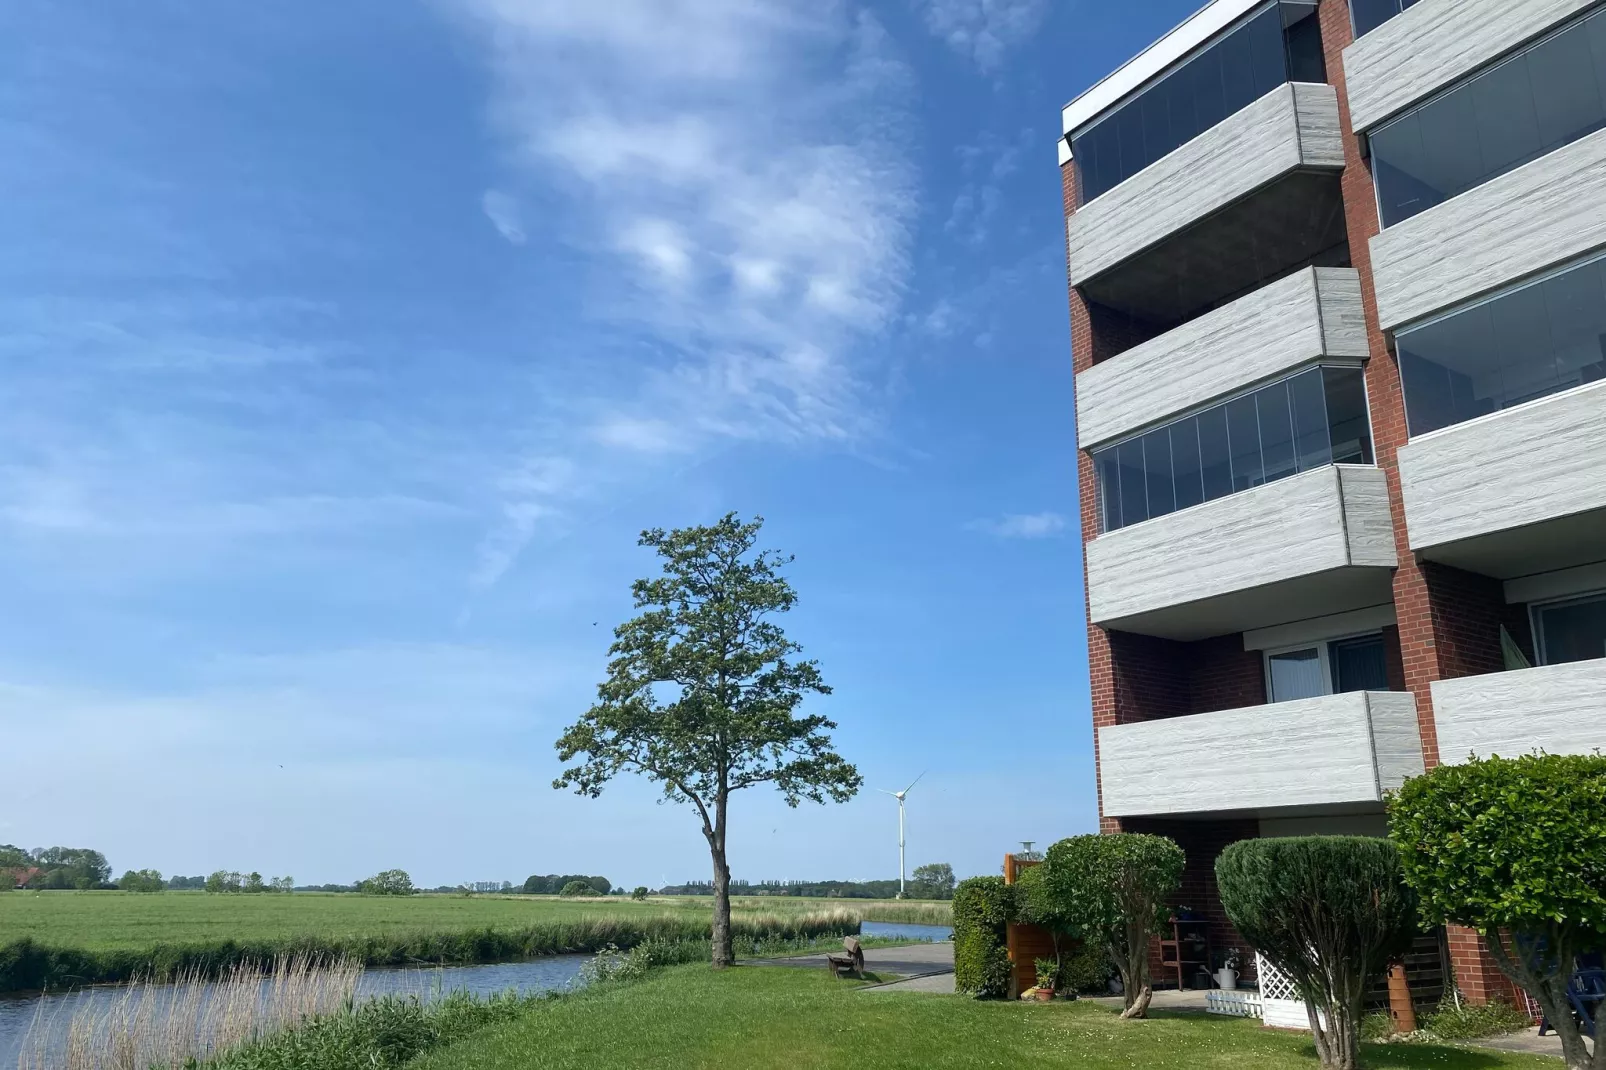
column 1536, row 622
column 1323, row 649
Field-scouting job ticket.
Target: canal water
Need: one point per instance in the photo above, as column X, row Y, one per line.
column 555, row 972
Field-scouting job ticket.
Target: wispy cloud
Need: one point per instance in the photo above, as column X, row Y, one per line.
column 504, row 214
column 983, row 30
column 1021, row 525
column 737, row 182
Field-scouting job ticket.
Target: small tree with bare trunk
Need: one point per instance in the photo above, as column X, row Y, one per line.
column 703, row 692
column 1331, row 912
column 1516, row 849
column 1112, row 891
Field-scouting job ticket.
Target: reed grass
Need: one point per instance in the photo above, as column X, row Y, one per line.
column 29, row 965
column 152, row 1024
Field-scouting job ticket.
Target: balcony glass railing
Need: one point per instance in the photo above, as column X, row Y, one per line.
column 1530, row 105
column 1537, row 339
column 1315, row 418
column 1221, row 80
column 1370, row 14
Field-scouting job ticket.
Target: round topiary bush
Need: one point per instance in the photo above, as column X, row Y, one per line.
column 1331, row 912
column 578, row 888
column 982, row 908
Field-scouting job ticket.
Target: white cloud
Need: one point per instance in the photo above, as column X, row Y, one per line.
column 735, row 172
column 983, row 30
column 1022, row 526
column 504, row 214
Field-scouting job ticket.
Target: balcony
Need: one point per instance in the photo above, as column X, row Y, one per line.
column 1553, row 708
column 1543, row 214
column 1513, row 493
column 1309, row 315
column 1252, row 197
column 1316, row 543
column 1341, row 751
column 1431, row 45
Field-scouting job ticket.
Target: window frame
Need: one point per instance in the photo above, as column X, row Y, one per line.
column 1324, row 652
column 1537, row 626
column 1221, row 402
column 1461, row 83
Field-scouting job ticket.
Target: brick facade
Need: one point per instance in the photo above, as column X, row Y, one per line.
column 1448, row 620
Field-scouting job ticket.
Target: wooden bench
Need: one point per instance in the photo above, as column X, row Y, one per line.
column 852, row 958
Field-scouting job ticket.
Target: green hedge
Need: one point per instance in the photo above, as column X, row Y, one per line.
column 27, row 965
column 982, row 909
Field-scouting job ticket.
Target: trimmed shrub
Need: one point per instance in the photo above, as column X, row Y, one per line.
column 1331, row 912
column 1112, row 891
column 1086, row 971
column 982, row 909
column 1514, row 848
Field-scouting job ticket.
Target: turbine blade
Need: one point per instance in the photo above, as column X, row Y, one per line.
column 915, row 781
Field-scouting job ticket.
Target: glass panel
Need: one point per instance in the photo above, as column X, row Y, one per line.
column 1243, row 434
column 1349, row 429
column 1109, row 476
column 1312, row 419
column 1529, row 105
column 1216, row 82
column 1157, row 467
column 1215, row 455
column 1134, row 483
column 1359, row 665
column 1370, row 14
column 1276, row 431
column 1296, row 674
column 1306, row 62
column 1185, row 462
column 1313, row 446
column 1527, row 343
column 1574, row 631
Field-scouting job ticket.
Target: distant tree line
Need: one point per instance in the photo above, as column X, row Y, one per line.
column 935, row 881
column 555, row 884
column 227, row 881
column 55, row 867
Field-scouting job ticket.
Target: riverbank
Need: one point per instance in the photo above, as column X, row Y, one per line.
column 779, row 1018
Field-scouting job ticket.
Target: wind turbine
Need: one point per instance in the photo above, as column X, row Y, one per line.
column 899, row 795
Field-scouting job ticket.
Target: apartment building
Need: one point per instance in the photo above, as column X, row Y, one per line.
column 1338, row 306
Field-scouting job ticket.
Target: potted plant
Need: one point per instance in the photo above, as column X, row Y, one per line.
column 1047, row 974
column 1227, row 976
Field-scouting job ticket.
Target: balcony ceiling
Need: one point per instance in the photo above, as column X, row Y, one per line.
column 1283, row 226
column 1565, row 542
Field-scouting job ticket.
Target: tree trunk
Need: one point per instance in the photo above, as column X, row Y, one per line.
column 1550, row 992
column 1136, row 987
column 723, row 954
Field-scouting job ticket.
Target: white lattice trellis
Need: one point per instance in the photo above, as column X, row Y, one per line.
column 1280, row 1004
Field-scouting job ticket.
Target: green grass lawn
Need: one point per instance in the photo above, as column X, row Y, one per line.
column 117, row 920
column 759, row 1018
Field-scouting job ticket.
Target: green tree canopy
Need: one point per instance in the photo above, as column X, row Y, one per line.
column 703, row 693
column 387, row 882
column 1515, row 848
column 1331, row 912
column 1112, row 890
column 933, row 881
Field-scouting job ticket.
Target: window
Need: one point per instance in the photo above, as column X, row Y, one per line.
column 1574, row 630
column 1338, row 667
column 1539, row 100
column 1538, row 339
column 1370, row 14
column 1310, row 420
column 1224, row 78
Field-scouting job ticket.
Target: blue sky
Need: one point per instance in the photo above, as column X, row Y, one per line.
column 344, row 349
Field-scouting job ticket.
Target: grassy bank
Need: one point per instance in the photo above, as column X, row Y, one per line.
column 28, row 964
column 690, row 1017
column 104, row 921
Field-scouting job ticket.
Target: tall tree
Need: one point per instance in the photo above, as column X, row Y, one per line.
column 703, row 693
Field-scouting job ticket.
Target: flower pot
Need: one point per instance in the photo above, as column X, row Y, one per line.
column 1227, row 979
column 1043, row 995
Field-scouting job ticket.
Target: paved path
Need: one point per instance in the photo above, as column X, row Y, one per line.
column 1528, row 1040
column 929, row 967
